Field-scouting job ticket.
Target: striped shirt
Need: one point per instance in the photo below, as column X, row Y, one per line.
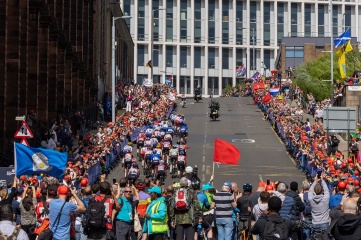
column 223, row 201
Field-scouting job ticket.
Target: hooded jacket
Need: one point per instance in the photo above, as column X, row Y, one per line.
column 319, row 204
column 347, row 227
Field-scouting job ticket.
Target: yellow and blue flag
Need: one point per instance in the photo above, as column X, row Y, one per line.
column 342, row 65
column 344, row 49
column 29, row 160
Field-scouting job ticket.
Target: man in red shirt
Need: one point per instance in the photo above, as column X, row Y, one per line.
column 110, row 204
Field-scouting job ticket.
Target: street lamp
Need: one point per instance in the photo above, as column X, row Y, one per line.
column 331, row 30
column 151, row 39
column 113, row 64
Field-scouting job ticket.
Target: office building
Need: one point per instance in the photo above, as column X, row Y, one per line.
column 202, row 42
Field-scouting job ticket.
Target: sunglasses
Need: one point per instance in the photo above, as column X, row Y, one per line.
column 127, row 191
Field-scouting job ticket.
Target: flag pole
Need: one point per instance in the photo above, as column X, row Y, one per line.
column 213, row 169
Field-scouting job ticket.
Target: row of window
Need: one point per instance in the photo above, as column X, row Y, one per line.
column 240, row 13
column 199, row 55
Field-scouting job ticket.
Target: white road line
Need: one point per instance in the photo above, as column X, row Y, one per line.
column 204, row 159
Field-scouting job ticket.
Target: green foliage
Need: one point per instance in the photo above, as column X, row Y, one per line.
column 228, row 89
column 309, row 75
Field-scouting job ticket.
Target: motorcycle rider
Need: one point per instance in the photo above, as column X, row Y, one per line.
column 183, row 98
column 198, row 91
column 214, row 107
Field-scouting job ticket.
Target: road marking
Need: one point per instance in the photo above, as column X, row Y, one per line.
column 208, row 170
column 243, row 141
column 203, row 160
column 203, row 167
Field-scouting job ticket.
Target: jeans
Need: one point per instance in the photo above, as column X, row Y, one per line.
column 306, row 231
column 225, row 228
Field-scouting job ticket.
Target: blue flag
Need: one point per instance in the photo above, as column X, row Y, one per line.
column 30, row 161
column 342, row 39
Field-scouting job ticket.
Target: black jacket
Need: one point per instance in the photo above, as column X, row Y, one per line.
column 258, row 227
column 300, row 206
column 347, row 227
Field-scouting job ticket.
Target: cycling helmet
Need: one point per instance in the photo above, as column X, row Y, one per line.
column 178, row 142
column 161, row 161
column 158, row 145
column 247, row 187
column 130, row 143
column 189, row 169
column 135, row 165
column 141, row 186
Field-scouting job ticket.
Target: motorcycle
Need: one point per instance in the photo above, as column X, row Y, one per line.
column 214, row 114
column 197, row 97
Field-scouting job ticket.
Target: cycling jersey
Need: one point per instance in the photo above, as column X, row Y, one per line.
column 143, row 151
column 170, row 129
column 148, row 154
column 133, row 171
column 149, row 132
column 173, row 152
column 158, row 150
column 155, row 158
column 161, row 167
column 166, row 145
column 157, row 133
column 148, row 143
column 167, row 137
column 128, row 157
column 128, row 148
column 181, row 158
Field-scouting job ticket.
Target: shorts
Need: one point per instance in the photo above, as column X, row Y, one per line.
column 207, row 221
column 166, row 151
column 183, row 134
column 181, row 166
column 140, row 144
column 154, row 164
column 160, row 173
column 173, row 159
column 127, row 164
column 132, row 177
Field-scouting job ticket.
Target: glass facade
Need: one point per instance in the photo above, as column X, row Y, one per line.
column 197, row 22
column 211, row 21
column 294, row 19
column 183, row 21
column 169, row 21
column 183, row 57
column 225, row 21
column 267, row 23
column 280, row 21
column 197, row 57
column 307, row 22
column 141, row 52
column 321, row 20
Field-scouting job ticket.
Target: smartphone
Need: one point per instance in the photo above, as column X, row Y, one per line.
column 268, row 182
column 114, row 181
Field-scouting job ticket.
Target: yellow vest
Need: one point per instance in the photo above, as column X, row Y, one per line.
column 159, row 226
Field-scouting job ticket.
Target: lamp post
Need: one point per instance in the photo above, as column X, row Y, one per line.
column 254, row 57
column 114, row 48
column 331, row 30
column 151, row 39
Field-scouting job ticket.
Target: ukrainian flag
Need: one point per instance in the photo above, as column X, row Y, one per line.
column 342, row 65
column 344, row 49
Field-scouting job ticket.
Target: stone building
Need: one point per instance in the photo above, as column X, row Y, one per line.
column 53, row 56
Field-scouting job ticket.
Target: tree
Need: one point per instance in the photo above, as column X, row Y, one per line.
column 309, row 75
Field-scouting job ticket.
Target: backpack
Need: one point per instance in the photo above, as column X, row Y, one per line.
column 335, row 200
column 13, row 236
column 181, row 199
column 96, row 213
column 275, row 229
column 308, row 208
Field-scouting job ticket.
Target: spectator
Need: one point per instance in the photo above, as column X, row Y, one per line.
column 27, row 211
column 51, row 142
column 7, row 228
column 8, row 198
column 224, row 203
column 298, row 208
column 60, row 209
column 155, row 224
column 187, row 219
column 125, row 216
column 110, row 202
column 274, row 207
column 306, row 215
column 319, row 203
column 288, row 203
column 261, row 206
column 348, row 225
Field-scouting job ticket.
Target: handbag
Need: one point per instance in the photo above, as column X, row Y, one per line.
column 48, row 234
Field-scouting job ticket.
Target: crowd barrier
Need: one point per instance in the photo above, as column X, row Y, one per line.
column 94, row 171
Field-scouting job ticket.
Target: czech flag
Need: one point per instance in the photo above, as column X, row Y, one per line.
column 274, row 91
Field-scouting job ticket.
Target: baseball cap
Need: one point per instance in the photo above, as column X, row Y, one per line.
column 261, row 184
column 227, row 184
column 155, row 189
column 63, row 190
column 206, row 187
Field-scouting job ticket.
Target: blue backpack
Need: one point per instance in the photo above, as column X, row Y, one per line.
column 308, row 207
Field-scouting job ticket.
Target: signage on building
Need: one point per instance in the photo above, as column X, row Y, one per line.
column 354, row 88
column 6, row 175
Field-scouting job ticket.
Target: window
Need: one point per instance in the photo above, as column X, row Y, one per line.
column 183, row 10
column 239, row 11
column 141, row 29
column 348, row 14
column 211, row 58
column 307, row 20
column 197, row 10
column 267, row 59
column 197, row 31
column 156, row 53
column 267, row 35
column 183, row 57
column 141, row 8
column 225, row 58
column 141, row 51
column 169, row 30
column 239, row 57
column 197, row 57
column 211, row 32
column 253, row 12
column 127, row 11
column 267, row 12
column 169, row 56
column 211, row 9
column 294, row 52
column 169, row 9
column 280, row 21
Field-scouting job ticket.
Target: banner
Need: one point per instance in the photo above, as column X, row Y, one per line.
column 342, row 65
column 147, row 82
column 6, row 175
column 345, row 49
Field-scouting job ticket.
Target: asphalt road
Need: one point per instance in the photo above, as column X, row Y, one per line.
column 263, row 155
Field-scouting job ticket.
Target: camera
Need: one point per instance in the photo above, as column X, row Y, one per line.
column 195, row 170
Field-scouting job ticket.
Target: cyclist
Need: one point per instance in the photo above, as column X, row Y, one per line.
column 140, row 141
column 170, row 130
column 183, row 131
column 147, row 156
column 128, row 147
column 142, row 154
column 149, row 131
column 168, row 137
column 181, row 164
column 165, row 148
column 148, row 142
column 182, row 148
column 154, row 141
column 173, row 155
column 133, row 172
column 161, row 170
column 158, row 149
column 155, row 158
column 183, row 98
column 127, row 161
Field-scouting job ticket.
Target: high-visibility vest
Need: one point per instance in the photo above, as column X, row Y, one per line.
column 159, row 226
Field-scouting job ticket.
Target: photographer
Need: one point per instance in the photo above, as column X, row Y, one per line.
column 332, row 144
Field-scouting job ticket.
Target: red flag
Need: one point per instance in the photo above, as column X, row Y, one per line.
column 266, row 99
column 255, row 87
column 261, row 85
column 225, row 152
